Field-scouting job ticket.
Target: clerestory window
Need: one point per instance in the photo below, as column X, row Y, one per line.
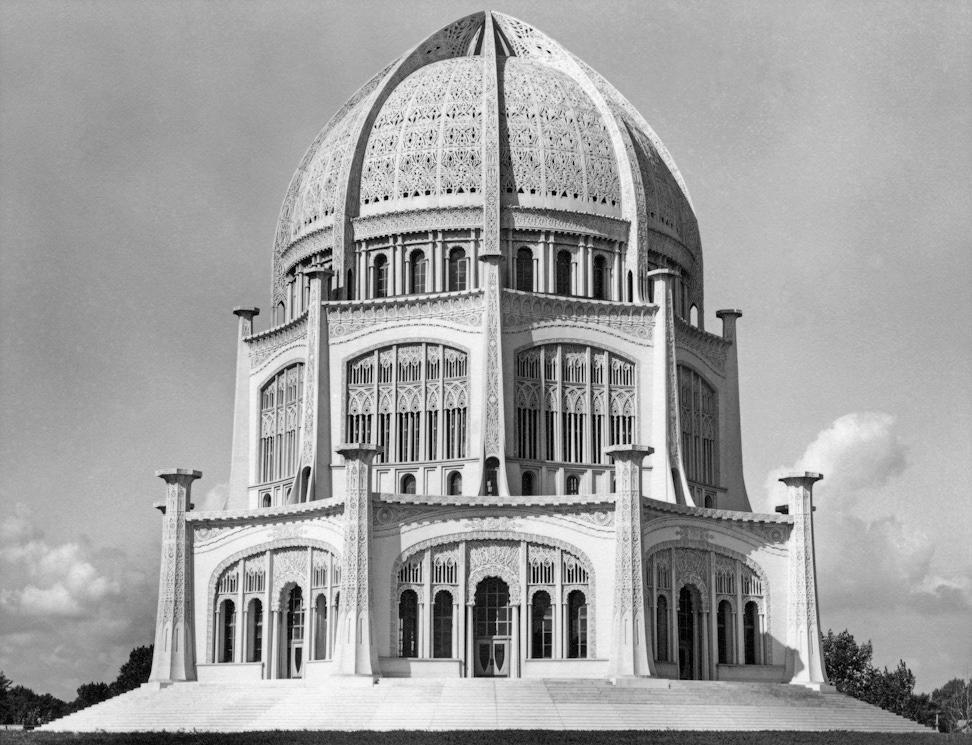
column 281, row 407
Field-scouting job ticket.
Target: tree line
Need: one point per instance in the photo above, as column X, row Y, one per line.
column 850, row 669
column 21, row 705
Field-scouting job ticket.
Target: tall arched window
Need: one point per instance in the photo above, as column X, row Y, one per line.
column 408, row 484
column 380, row 277
column 750, row 627
column 573, row 484
column 410, row 399
column 457, row 269
column 408, row 624
column 541, row 646
column 587, row 396
column 417, row 267
column 524, row 270
column 281, row 406
column 577, row 625
column 254, row 632
column 726, row 634
column 563, row 272
column 228, row 631
column 455, row 484
column 630, row 287
column 661, row 629
column 492, row 477
column 442, row 625
column 698, row 410
column 599, row 280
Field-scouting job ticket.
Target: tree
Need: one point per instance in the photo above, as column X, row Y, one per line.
column 848, row 665
column 90, row 694
column 134, row 672
column 954, row 699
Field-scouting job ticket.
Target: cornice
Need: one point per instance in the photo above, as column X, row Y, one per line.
column 730, row 515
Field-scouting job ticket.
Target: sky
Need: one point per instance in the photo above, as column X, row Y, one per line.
column 145, row 149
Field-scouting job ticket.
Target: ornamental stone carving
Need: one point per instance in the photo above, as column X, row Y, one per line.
column 463, row 310
column 265, row 345
column 494, row 559
column 522, row 310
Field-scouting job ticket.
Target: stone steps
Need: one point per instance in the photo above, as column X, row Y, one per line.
column 463, row 704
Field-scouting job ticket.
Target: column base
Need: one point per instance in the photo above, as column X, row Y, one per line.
column 818, row 687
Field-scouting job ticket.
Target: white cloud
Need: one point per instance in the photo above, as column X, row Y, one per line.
column 858, row 451
column 214, row 499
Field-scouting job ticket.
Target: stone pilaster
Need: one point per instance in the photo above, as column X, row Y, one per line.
column 174, row 658
column 804, row 661
column 729, row 420
column 239, row 480
column 629, row 644
column 355, row 644
column 493, row 421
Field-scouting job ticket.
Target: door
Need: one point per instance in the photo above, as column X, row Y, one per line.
column 493, row 621
column 295, row 633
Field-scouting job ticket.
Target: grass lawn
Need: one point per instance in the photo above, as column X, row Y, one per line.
column 501, row 737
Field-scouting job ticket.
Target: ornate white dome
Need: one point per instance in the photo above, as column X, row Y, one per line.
column 411, row 143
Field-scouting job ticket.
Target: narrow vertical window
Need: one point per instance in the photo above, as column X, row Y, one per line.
column 599, row 279
column 457, row 269
column 541, row 643
column 455, row 484
column 418, row 265
column 577, row 625
column 573, row 484
column 228, row 622
column 661, row 629
column 320, row 628
column 408, row 624
column 524, row 270
column 526, row 484
column 380, row 277
column 563, row 273
column 750, row 632
column 408, row 484
column 725, row 633
column 281, row 408
column 442, row 625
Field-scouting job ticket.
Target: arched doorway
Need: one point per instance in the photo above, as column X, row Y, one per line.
column 492, row 616
column 295, row 633
column 690, row 630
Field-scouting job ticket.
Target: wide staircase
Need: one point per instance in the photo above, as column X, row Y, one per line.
column 462, row 704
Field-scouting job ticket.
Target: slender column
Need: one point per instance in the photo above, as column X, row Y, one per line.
column 239, row 653
column 736, row 497
column 356, row 651
column 804, row 663
column 174, row 658
column 315, row 435
column 240, row 477
column 515, row 652
column 470, row 642
column 494, row 418
column 398, row 267
column 559, row 631
column 704, row 661
column 218, row 633
column 740, row 656
column 629, row 649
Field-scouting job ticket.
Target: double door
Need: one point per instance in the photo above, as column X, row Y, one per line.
column 493, row 657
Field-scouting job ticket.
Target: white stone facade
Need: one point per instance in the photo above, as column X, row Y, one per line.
column 486, row 433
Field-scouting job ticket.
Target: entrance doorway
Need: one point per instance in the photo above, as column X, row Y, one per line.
column 686, row 635
column 493, row 626
column 295, row 634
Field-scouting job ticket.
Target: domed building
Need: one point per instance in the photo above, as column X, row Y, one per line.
column 486, row 433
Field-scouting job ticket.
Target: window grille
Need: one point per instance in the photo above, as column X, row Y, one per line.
column 228, row 583
column 698, row 412
column 444, row 571
column 726, row 582
column 663, row 577
column 751, row 584
column 541, row 571
column 411, row 572
column 582, row 407
column 574, row 571
column 254, row 581
column 320, row 576
column 281, row 408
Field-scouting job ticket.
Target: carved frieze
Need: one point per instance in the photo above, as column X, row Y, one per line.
column 464, row 310
column 525, row 310
column 264, row 345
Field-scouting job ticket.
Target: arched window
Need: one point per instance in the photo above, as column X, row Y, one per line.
column 227, row 631
column 417, row 267
column 573, row 484
column 265, row 500
column 661, row 629
column 526, row 484
column 457, row 269
column 408, row 484
column 281, row 314
column 254, row 632
column 408, row 624
column 442, row 625
column 726, row 633
column 281, row 407
column 541, row 647
column 320, row 628
column 750, row 630
column 599, row 280
column 698, row 412
column 524, row 270
column 380, row 277
column 492, row 476
column 694, row 315
column 563, row 272
column 577, row 625
column 455, row 484
column 630, row 287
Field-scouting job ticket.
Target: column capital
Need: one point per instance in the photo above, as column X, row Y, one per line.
column 359, row 451
column 806, row 479
column 178, row 475
column 318, row 271
column 630, row 452
column 244, row 312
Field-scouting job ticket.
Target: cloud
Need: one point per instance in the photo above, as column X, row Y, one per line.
column 69, row 613
column 858, row 451
column 214, row 499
